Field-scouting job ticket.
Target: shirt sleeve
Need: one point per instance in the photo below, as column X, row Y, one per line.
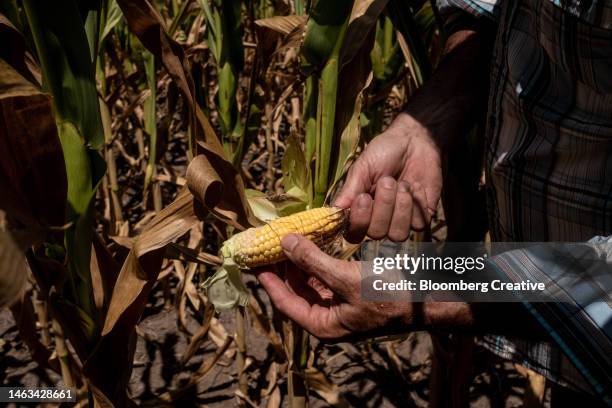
column 460, row 14
column 578, row 315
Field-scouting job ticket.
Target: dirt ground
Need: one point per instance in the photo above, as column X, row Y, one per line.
column 363, row 373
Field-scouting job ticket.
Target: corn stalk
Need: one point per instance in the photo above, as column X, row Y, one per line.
column 64, row 54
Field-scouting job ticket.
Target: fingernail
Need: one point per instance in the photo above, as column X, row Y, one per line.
column 289, row 242
column 404, row 187
column 363, row 202
column 388, row 182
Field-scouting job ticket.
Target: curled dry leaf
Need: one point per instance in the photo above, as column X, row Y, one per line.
column 230, row 204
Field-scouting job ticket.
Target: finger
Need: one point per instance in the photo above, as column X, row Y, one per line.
column 290, row 304
column 324, row 293
column 300, row 283
column 309, row 258
column 357, row 182
column 420, row 213
column 359, row 219
column 384, row 202
column 402, row 213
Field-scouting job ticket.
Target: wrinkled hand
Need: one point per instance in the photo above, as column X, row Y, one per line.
column 322, row 294
column 402, row 169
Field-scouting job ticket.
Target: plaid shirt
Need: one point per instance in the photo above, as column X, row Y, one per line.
column 549, row 154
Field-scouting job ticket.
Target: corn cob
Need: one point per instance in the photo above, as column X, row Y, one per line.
column 262, row 245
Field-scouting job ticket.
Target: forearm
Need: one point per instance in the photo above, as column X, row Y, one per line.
column 449, row 102
column 510, row 319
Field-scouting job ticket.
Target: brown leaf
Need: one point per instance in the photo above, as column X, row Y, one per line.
column 201, row 372
column 318, row 382
column 200, row 335
column 104, row 272
column 167, row 226
column 25, row 318
column 282, row 24
column 204, row 173
column 262, row 323
column 16, row 54
column 13, row 267
column 269, row 30
column 147, row 24
column 182, row 253
column 32, row 172
column 362, row 22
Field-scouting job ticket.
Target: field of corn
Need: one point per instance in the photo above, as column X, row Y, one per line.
column 138, row 135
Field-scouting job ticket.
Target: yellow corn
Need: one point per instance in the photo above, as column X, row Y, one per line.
column 262, row 245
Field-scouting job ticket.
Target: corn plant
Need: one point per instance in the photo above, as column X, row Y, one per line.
column 110, row 66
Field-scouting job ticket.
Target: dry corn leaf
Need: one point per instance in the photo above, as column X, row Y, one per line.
column 32, row 173
column 230, row 204
column 170, row 224
column 218, row 335
column 319, row 383
column 25, row 319
column 13, row 267
column 200, row 335
column 201, row 372
column 362, row 22
column 263, row 324
column 282, row 24
column 274, row 399
column 269, row 30
column 219, row 187
column 18, row 57
column 183, row 253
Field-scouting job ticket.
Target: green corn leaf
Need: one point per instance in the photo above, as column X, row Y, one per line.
column 179, row 16
column 68, row 73
column 63, row 51
column 223, row 19
column 325, row 25
column 296, row 172
column 111, row 17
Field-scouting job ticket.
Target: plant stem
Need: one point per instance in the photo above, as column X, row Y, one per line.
column 270, row 150
column 40, row 306
column 62, row 354
column 243, row 384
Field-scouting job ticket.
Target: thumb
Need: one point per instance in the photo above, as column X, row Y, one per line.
column 309, row 258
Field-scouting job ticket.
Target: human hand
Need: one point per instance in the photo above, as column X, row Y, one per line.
column 323, row 295
column 402, row 169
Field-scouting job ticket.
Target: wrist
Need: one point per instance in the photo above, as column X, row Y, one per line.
column 447, row 315
column 407, row 129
